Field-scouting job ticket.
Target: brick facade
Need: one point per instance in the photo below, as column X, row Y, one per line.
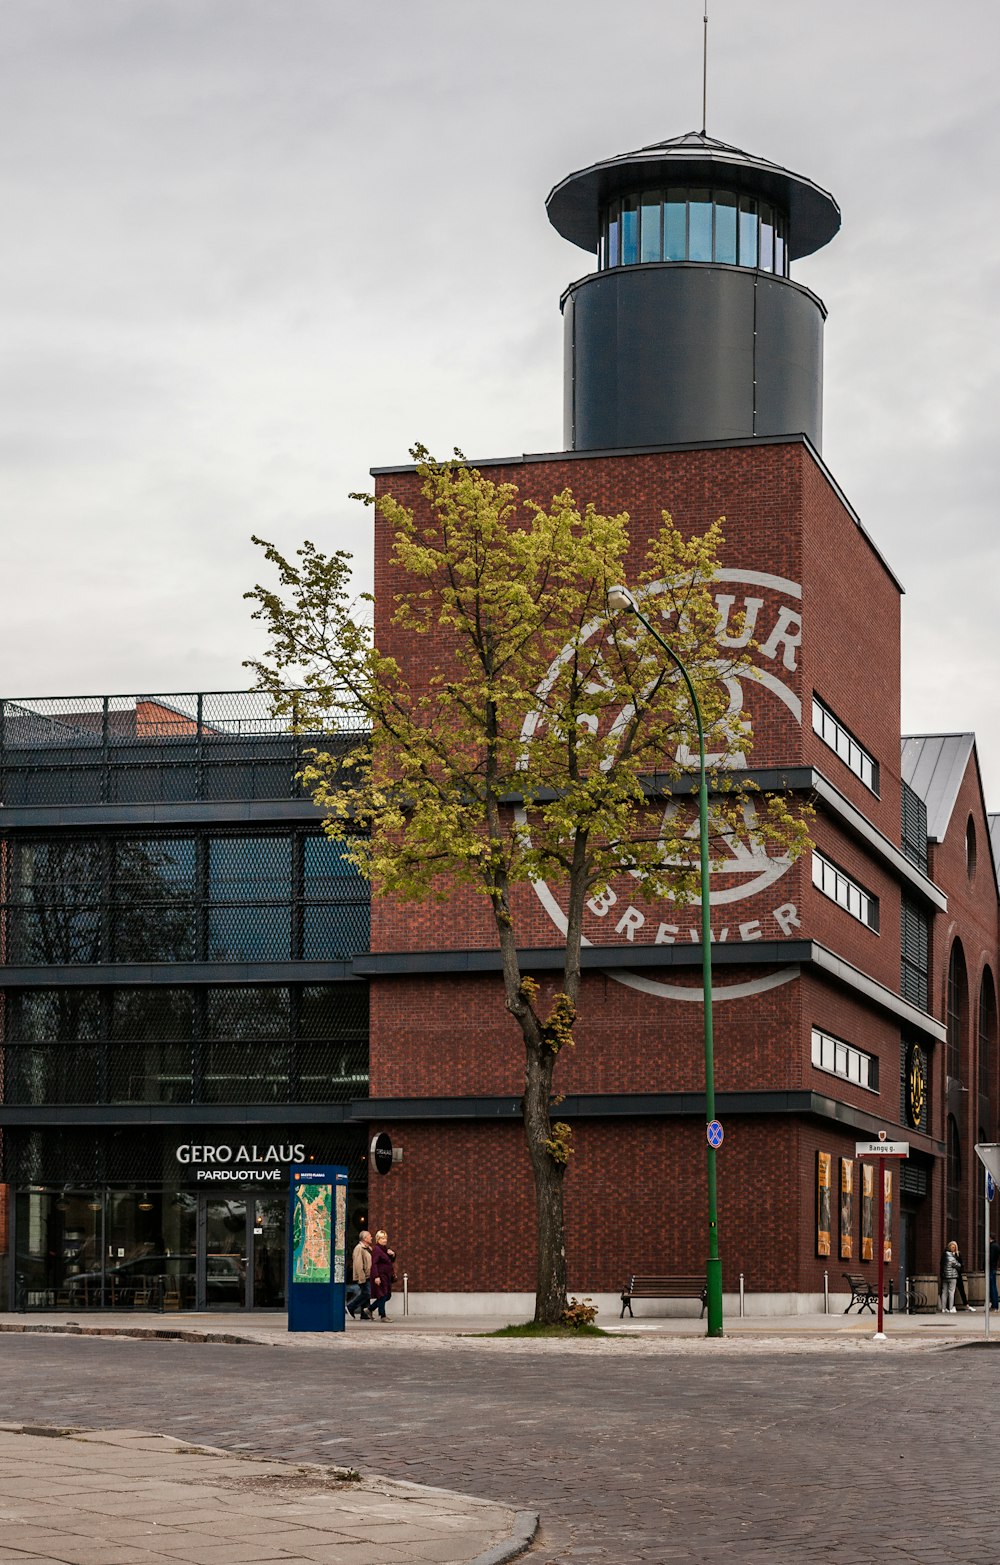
column 635, row 1194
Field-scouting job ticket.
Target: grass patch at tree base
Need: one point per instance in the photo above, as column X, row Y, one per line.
column 535, row 1328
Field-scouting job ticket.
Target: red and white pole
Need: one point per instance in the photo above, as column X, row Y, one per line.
column 881, row 1242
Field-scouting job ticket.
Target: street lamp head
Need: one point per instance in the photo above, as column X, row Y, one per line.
column 620, row 601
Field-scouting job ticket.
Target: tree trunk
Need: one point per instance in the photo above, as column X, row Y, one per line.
column 550, row 1286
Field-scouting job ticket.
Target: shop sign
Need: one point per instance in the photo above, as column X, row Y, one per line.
column 381, row 1153
column 245, row 1163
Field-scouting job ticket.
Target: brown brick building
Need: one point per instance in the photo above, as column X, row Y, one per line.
column 855, row 989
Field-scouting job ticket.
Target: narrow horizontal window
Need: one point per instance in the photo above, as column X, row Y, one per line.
column 843, row 743
column 844, row 1060
column 840, row 888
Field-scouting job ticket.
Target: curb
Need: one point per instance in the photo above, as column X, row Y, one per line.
column 520, row 1541
column 140, row 1333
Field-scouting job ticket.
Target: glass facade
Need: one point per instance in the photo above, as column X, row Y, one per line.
column 126, row 1227
column 688, row 224
column 178, row 1023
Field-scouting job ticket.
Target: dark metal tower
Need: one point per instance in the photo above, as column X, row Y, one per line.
column 691, row 329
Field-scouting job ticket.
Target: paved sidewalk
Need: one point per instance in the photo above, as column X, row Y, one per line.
column 271, row 1328
column 119, row 1497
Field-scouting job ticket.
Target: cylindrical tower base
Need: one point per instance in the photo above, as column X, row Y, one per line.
column 667, row 353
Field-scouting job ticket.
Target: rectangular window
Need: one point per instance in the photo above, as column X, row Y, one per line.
column 675, row 227
column 748, row 231
column 630, row 230
column 650, row 241
column 842, row 741
column 700, row 226
column 725, row 228
column 843, row 1059
column 766, row 238
column 613, row 245
column 840, row 888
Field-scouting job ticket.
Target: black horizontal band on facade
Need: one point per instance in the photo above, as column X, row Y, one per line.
column 174, row 974
column 95, row 1116
column 236, row 812
column 645, row 1105
column 365, row 1111
column 541, row 959
column 661, row 785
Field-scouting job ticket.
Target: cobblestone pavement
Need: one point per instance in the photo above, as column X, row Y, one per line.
column 721, row 1451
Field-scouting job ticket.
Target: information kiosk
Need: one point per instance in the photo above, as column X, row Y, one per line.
column 317, row 1251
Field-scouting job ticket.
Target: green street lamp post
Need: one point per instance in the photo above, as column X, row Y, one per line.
column 620, row 600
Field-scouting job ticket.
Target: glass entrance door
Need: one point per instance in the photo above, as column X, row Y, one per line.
column 223, row 1269
column 270, row 1251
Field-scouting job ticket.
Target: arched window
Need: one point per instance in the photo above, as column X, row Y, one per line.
column 987, row 1033
column 970, row 848
column 954, row 1183
column 958, row 1009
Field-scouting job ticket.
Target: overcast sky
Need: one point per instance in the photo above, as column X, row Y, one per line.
column 252, row 248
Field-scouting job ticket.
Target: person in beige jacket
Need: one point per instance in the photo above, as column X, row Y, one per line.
column 361, row 1271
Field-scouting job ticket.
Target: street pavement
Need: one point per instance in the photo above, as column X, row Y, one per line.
column 69, row 1497
column 796, row 1440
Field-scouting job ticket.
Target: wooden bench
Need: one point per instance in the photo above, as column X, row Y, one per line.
column 862, row 1293
column 644, row 1286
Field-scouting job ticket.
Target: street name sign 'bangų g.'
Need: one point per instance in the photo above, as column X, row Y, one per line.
column 882, row 1149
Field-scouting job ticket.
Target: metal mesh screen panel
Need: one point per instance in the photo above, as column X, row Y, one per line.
column 210, row 896
column 234, row 1044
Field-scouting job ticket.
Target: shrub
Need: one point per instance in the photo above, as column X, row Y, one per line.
column 579, row 1312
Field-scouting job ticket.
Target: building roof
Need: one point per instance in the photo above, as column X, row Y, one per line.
column 934, row 766
column 574, row 205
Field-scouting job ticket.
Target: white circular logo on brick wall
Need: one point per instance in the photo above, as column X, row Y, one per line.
column 770, row 609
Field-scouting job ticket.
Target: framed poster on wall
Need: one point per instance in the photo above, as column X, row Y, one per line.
column 867, row 1212
column 846, row 1208
column 824, row 1224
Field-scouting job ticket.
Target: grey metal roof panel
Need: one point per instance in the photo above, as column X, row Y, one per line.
column 934, row 766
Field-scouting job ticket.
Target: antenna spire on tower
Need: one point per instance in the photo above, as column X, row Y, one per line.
column 704, row 76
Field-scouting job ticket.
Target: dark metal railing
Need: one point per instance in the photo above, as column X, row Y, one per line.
column 208, row 746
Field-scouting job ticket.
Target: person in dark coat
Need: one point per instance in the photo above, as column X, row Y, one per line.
column 383, row 1272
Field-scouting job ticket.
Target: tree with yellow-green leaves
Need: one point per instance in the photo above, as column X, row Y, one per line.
column 543, row 747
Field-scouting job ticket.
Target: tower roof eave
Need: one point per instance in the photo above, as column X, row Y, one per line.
column 574, row 205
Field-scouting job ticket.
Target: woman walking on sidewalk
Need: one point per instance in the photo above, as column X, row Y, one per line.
column 383, row 1272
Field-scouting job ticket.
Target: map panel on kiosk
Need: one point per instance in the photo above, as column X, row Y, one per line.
column 317, row 1250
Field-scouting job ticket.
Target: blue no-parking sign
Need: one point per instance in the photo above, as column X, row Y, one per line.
column 715, row 1133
